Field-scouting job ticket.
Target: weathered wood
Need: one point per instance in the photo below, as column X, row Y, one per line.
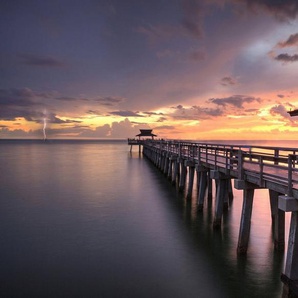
column 220, row 197
column 230, row 191
column 166, row 164
column 248, row 195
column 291, row 266
column 287, row 204
column 182, row 176
column 202, row 190
column 209, row 185
column 170, row 169
column 278, row 221
column 190, row 181
column 176, row 172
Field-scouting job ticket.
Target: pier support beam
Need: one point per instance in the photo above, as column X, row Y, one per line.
column 221, row 194
column 191, row 175
column 162, row 161
column 230, row 191
column 166, row 164
column 291, row 268
column 182, row 175
column 290, row 276
column 176, row 172
column 278, row 221
column 202, row 173
column 248, row 195
column 170, row 168
column 209, row 185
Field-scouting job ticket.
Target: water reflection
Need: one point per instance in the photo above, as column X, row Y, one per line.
column 92, row 220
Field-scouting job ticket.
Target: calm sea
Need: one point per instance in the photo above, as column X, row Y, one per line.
column 91, row 219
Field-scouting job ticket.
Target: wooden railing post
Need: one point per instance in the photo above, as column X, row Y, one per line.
column 276, row 152
column 290, row 175
column 261, row 164
column 240, row 165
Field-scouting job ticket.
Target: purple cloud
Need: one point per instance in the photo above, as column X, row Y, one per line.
column 226, row 81
column 291, row 41
column 287, row 58
column 281, row 9
column 236, row 100
column 42, row 61
column 126, row 114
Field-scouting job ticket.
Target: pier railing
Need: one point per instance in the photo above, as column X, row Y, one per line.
column 271, row 167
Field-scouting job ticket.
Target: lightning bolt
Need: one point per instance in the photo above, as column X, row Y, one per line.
column 44, row 128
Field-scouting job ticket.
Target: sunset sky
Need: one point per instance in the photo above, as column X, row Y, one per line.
column 188, row 69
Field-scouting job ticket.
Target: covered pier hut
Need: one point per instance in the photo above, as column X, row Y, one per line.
column 293, row 113
column 144, row 134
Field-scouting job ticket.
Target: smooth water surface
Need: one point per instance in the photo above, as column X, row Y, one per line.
column 89, row 219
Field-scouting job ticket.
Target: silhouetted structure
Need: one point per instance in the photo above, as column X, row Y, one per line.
column 146, row 133
column 142, row 136
column 293, row 113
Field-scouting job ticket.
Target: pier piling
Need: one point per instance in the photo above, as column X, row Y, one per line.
column 191, row 171
column 182, row 174
column 202, row 186
column 278, row 221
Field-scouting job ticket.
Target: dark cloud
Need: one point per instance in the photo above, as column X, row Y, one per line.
column 190, row 24
column 197, row 56
column 109, row 100
column 236, row 100
column 281, row 9
column 192, row 17
column 18, row 97
column 291, row 41
column 162, row 119
column 152, row 113
column 280, row 95
column 226, row 81
column 208, row 111
column 43, row 61
column 105, row 101
column 54, row 119
column 195, row 113
column 126, row 114
column 251, row 110
column 20, row 103
column 93, row 112
column 286, row 57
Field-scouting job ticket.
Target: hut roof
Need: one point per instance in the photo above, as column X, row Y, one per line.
column 293, row 113
column 146, row 133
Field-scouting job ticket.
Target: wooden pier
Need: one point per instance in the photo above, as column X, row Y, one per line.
column 251, row 167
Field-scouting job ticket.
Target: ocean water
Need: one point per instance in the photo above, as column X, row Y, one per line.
column 91, row 219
